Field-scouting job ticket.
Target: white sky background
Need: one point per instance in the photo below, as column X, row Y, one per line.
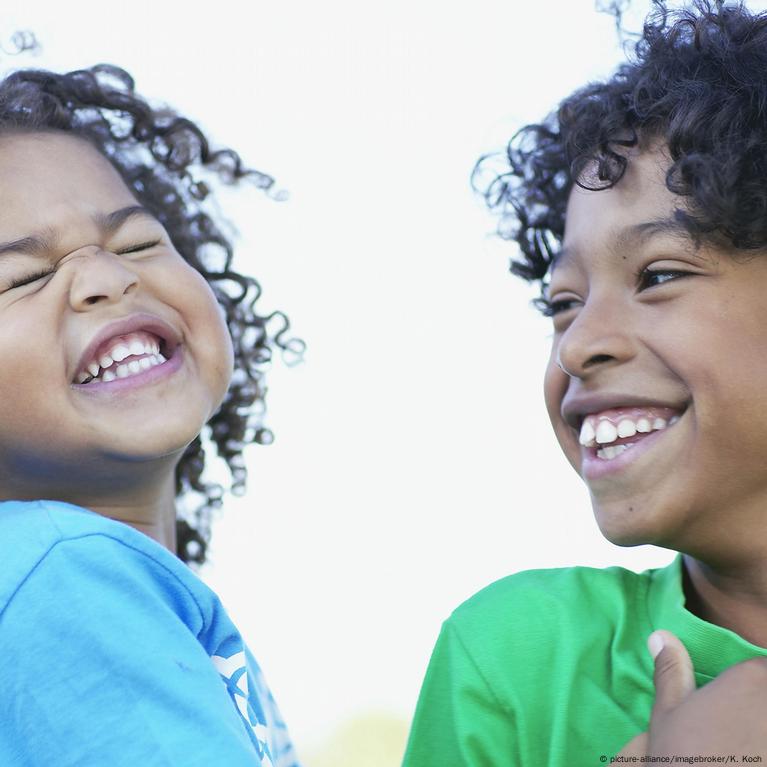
column 414, row 463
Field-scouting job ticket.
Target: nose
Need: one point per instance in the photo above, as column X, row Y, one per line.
column 599, row 336
column 100, row 277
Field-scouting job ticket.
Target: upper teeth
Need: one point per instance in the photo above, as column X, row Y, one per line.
column 602, row 431
column 119, row 349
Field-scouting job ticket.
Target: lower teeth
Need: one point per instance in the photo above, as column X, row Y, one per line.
column 110, row 375
column 608, row 453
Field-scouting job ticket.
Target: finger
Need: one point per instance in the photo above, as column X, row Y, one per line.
column 637, row 746
column 674, row 676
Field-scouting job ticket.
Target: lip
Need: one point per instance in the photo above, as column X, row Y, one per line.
column 595, row 468
column 575, row 408
column 130, row 324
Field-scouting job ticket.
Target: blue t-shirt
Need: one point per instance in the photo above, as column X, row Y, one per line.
column 112, row 652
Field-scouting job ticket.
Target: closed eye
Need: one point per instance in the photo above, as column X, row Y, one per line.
column 136, row 248
column 31, row 278
column 18, row 282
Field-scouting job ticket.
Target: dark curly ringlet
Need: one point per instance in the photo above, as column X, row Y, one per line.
column 166, row 160
column 696, row 82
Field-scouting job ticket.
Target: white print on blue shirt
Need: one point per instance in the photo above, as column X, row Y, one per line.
column 255, row 704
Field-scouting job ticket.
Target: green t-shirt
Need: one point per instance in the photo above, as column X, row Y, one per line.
column 550, row 667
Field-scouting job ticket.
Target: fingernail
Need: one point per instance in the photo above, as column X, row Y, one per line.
column 655, row 644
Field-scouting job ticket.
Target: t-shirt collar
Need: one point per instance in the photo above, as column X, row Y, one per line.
column 712, row 648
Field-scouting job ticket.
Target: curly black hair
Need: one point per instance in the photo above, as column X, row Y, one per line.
column 697, row 84
column 167, row 162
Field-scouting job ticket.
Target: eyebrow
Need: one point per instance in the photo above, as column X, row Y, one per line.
column 631, row 236
column 108, row 223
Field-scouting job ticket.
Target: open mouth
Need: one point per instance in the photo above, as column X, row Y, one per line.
column 610, row 450
column 125, row 356
column 608, row 435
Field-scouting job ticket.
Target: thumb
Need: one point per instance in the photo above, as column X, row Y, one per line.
column 674, row 677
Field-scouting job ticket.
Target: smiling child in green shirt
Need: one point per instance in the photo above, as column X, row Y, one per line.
column 640, row 207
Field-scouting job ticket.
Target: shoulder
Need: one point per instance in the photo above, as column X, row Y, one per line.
column 32, row 527
column 110, row 627
column 45, row 544
column 534, row 613
column 550, row 591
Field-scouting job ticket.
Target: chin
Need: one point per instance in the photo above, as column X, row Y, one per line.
column 154, row 441
column 625, row 526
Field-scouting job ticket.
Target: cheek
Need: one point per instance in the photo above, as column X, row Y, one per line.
column 555, row 383
column 214, row 317
column 730, row 397
column 207, row 320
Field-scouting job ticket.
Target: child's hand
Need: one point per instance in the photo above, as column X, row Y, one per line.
column 726, row 716
column 637, row 746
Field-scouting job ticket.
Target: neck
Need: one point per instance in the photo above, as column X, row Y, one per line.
column 156, row 519
column 142, row 496
column 733, row 597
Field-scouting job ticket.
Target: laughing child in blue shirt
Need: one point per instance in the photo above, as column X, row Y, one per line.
column 640, row 207
column 130, row 348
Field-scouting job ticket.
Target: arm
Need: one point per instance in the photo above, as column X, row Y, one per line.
column 459, row 721
column 101, row 665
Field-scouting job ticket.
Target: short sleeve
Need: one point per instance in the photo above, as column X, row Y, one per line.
column 458, row 720
column 100, row 664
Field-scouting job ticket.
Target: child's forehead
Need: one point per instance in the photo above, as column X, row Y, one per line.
column 47, row 178
column 639, row 203
column 32, row 151
column 621, row 241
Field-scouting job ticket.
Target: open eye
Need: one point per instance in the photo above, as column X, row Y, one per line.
column 650, row 278
column 551, row 308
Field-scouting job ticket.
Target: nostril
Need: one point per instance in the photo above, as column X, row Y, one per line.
column 598, row 359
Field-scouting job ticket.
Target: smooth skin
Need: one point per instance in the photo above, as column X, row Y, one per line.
column 113, row 455
column 641, row 311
